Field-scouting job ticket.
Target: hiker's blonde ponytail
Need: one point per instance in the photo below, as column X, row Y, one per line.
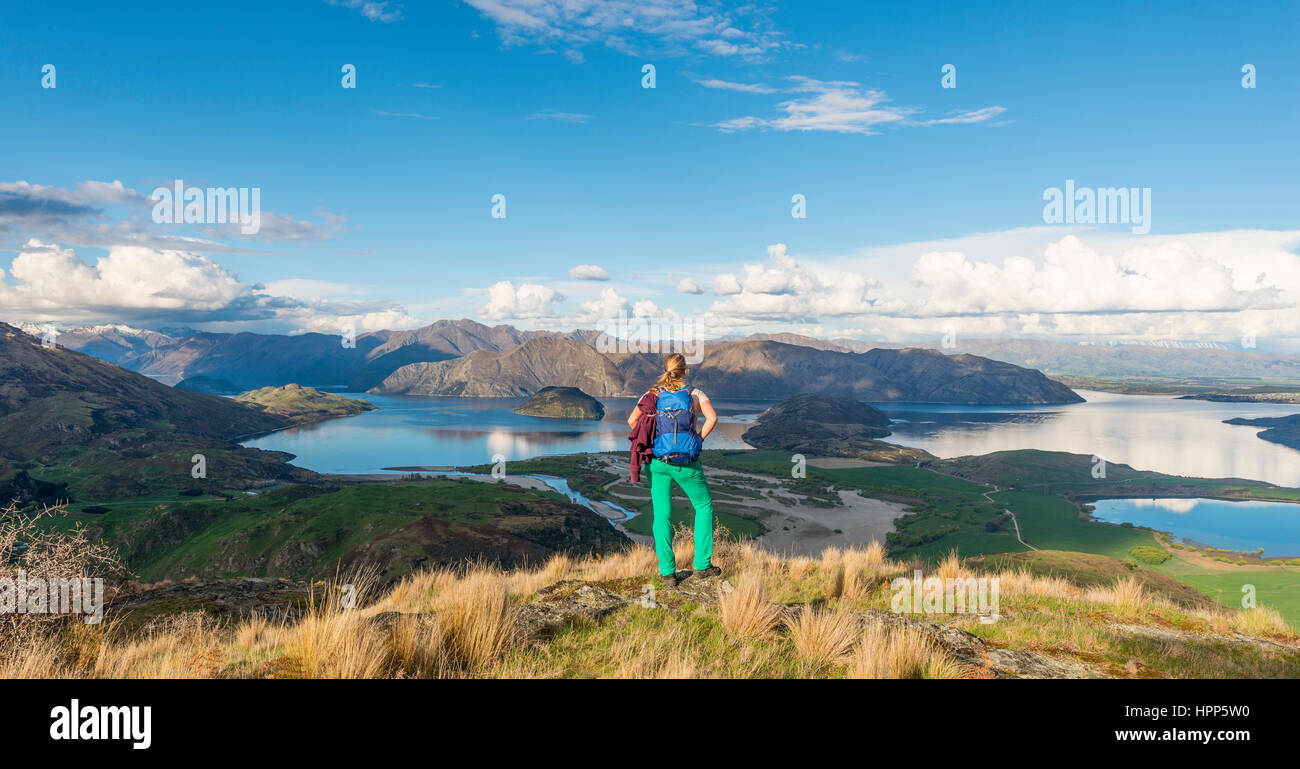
column 674, row 374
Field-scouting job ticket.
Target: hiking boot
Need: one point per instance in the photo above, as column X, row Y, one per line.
column 674, row 579
column 712, row 571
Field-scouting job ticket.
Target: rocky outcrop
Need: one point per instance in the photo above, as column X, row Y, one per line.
column 218, row 599
column 562, row 403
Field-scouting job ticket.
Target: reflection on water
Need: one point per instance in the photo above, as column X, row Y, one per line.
column 411, row 431
column 1177, row 506
column 1180, row 437
column 1274, row 526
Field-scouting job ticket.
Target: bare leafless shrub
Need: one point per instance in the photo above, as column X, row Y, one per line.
column 32, row 549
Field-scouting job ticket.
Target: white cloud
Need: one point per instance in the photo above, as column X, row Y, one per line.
column 785, row 290
column 54, row 278
column 608, row 305
column 1073, row 278
column 725, row 85
column 737, row 124
column 588, row 272
column 689, row 286
column 529, row 300
column 974, row 116
column 842, row 106
column 726, row 284
column 1197, row 287
column 25, row 205
column 634, row 26
column 281, row 228
column 308, row 288
column 151, row 286
column 332, row 323
column 76, row 215
column 375, row 10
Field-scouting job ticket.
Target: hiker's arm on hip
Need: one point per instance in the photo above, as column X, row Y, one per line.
column 710, row 417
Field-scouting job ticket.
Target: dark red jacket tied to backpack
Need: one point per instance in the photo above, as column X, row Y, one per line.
column 643, row 434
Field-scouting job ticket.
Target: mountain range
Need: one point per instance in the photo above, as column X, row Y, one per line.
column 751, row 369
column 467, row 358
column 248, row 360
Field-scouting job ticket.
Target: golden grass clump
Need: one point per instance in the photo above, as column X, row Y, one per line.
column 747, row 611
column 417, row 648
column 950, row 567
column 1260, row 621
column 251, row 631
column 863, row 569
column 333, row 639
column 1021, row 582
column 800, row 566
column 822, row 636
column 476, row 617
column 1129, row 593
column 904, row 653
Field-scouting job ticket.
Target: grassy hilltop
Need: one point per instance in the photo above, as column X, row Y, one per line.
column 767, row 617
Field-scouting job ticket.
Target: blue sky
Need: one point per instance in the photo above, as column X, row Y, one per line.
column 380, row 195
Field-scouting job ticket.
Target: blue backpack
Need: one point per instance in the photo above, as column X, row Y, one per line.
column 675, row 439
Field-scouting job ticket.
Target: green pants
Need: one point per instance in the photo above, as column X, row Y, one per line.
column 691, row 479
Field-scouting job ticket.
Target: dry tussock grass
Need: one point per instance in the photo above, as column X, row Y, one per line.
column 904, row 653
column 747, row 611
column 458, row 622
column 822, row 637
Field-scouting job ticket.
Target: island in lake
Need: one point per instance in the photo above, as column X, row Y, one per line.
column 562, row 403
column 828, row 427
column 302, row 405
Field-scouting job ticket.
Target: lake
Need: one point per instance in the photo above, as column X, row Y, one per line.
column 1274, row 526
column 409, row 431
column 1180, row 437
column 1148, row 432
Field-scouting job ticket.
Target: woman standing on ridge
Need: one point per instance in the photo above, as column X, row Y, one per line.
column 676, row 451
